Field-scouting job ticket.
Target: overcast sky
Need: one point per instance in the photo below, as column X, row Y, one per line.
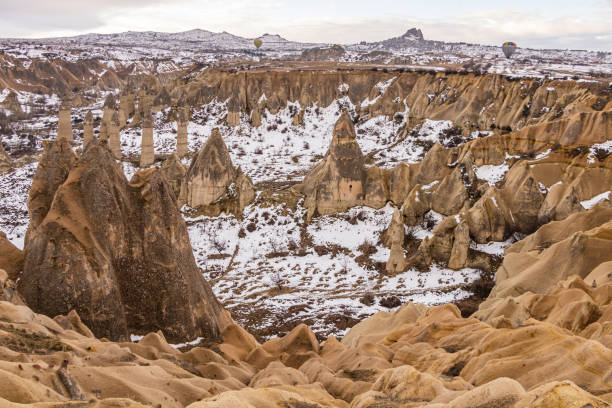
column 584, row 24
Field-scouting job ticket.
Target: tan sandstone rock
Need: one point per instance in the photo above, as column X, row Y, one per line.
column 87, row 247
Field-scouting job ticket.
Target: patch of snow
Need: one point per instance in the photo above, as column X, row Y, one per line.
column 491, row 173
column 588, row 204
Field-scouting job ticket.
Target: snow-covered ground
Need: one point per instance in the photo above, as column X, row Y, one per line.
column 271, row 262
column 270, row 266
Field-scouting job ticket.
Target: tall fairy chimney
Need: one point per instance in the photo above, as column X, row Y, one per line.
column 88, row 133
column 114, row 142
column 182, row 144
column 64, row 124
column 147, row 154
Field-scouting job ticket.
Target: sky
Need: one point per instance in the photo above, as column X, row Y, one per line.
column 584, row 24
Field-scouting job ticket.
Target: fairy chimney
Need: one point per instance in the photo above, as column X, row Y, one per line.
column 64, row 124
column 338, row 182
column 88, row 133
column 397, row 261
column 114, row 142
column 109, row 108
column 127, row 103
column 212, row 184
column 103, row 132
column 182, row 146
column 233, row 113
column 147, row 154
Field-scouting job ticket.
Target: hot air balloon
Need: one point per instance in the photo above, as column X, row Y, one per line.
column 258, row 43
column 509, row 48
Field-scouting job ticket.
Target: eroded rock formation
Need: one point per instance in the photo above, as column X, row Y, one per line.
column 5, row 161
column 11, row 258
column 341, row 180
column 64, row 123
column 531, row 351
column 88, row 131
column 182, row 143
column 116, row 252
column 212, row 184
column 114, row 135
column 147, row 153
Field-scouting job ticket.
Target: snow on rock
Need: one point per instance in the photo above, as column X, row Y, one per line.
column 490, row 173
column 588, row 204
column 14, row 189
column 605, row 147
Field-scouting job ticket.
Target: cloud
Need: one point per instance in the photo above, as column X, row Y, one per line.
column 493, row 27
column 42, row 16
column 330, row 23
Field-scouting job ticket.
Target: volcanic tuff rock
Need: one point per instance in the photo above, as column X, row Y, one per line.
column 212, row 184
column 5, row 161
column 64, row 124
column 175, row 172
column 395, row 239
column 334, row 53
column 182, row 142
column 11, row 103
column 114, row 138
column 341, row 181
column 11, row 258
column 55, row 164
column 147, row 154
column 88, row 131
column 116, row 252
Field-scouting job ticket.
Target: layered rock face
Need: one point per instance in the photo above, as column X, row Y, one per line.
column 212, row 184
column 507, row 103
column 341, row 181
column 116, row 252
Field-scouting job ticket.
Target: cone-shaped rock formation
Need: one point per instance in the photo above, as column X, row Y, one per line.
column 213, row 184
column 175, row 172
column 119, row 254
column 341, row 181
